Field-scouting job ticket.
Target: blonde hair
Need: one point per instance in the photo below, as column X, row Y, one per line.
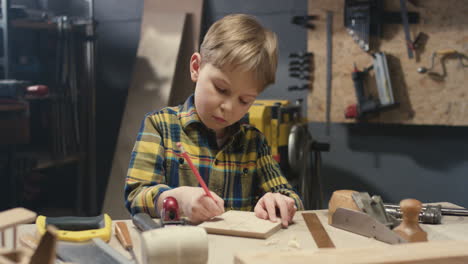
column 241, row 42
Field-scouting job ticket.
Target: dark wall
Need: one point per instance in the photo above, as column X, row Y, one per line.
column 425, row 162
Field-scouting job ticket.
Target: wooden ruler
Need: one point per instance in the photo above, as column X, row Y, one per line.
column 318, row 231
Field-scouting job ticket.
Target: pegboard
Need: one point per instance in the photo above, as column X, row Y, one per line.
column 422, row 100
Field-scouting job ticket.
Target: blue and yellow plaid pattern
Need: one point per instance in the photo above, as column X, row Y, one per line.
column 240, row 172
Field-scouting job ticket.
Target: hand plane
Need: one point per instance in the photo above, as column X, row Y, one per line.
column 359, row 213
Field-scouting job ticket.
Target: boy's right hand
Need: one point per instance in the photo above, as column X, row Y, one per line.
column 194, row 203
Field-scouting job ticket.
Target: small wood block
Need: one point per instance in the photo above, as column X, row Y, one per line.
column 341, row 199
column 242, row 224
column 320, row 235
column 16, row 216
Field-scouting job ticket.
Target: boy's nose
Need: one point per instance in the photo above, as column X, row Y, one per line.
column 226, row 105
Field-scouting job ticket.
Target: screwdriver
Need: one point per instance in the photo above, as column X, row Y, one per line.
column 121, row 231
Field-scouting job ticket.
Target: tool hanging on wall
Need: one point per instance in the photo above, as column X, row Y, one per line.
column 366, row 104
column 67, row 138
column 404, row 17
column 300, row 68
column 365, row 18
column 304, row 21
column 444, row 55
column 329, row 70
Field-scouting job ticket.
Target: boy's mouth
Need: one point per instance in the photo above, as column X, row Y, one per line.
column 219, row 119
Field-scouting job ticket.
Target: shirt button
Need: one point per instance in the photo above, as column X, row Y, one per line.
column 216, row 162
column 181, row 161
column 245, row 170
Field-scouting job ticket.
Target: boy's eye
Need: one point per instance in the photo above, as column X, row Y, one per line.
column 244, row 102
column 220, row 90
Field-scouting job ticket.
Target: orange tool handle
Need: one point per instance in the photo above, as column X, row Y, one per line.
column 121, row 231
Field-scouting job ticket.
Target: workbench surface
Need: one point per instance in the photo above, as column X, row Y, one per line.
column 295, row 238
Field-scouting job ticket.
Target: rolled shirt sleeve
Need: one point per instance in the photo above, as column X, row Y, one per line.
column 146, row 178
column 270, row 175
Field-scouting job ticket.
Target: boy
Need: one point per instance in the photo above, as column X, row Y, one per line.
column 237, row 60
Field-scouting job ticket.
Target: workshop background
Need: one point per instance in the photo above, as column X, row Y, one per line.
column 426, row 162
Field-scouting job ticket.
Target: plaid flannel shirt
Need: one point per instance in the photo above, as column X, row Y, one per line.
column 240, row 172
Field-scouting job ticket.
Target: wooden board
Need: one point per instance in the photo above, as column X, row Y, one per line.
column 422, row 100
column 160, row 78
column 16, row 216
column 440, row 252
column 193, row 9
column 242, row 224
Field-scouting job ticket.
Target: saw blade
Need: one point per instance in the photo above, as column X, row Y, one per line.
column 363, row 224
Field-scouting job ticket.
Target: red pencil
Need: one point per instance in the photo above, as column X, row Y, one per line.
column 195, row 171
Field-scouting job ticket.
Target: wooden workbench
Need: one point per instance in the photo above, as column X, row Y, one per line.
column 297, row 237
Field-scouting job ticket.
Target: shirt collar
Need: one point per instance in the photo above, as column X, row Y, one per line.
column 188, row 115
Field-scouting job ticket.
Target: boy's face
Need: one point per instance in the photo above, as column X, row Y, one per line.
column 222, row 96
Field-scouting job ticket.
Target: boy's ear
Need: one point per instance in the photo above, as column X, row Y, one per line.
column 195, row 65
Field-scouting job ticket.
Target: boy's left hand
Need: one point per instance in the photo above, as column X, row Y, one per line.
column 267, row 206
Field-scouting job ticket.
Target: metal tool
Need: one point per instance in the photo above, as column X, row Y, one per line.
column 301, row 87
column 365, row 225
column 304, row 21
column 170, row 213
column 366, row 104
column 169, row 216
column 300, row 147
column 357, row 22
column 443, row 54
column 329, row 69
column 123, row 235
column 144, row 222
column 320, row 235
column 374, row 207
column 365, row 18
column 431, row 215
column 94, row 251
column 404, row 17
column 435, row 210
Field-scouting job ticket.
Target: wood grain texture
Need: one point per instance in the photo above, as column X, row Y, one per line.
column 16, row 216
column 434, row 252
column 422, row 100
column 242, row 224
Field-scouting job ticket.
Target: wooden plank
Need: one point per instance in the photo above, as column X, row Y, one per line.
column 422, row 100
column 193, row 9
column 242, row 224
column 150, row 89
column 16, row 216
column 160, row 78
column 433, row 252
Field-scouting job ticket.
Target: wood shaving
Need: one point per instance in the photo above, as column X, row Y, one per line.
column 293, row 243
column 272, row 242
